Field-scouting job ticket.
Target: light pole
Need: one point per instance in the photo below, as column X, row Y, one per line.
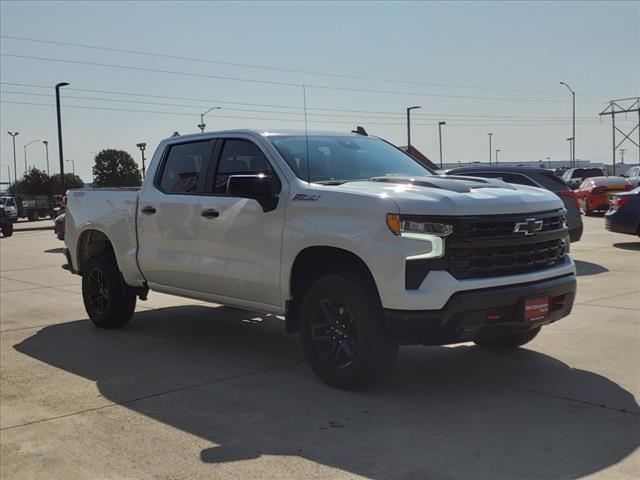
column 58, row 87
column 409, row 125
column 142, row 146
column 202, row 124
column 573, row 97
column 73, row 166
column 8, row 172
column 490, row 135
column 622, row 150
column 497, row 150
column 570, row 140
column 46, row 149
column 25, row 153
column 440, row 138
column 15, row 168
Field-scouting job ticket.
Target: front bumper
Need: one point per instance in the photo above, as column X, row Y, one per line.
column 466, row 315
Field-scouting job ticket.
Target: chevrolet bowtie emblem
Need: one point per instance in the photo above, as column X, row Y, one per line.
column 529, row 227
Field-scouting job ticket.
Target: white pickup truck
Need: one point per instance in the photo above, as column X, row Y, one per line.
column 355, row 243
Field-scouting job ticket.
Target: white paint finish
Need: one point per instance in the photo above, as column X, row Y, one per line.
column 244, row 257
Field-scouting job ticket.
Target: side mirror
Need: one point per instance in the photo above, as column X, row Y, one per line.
column 257, row 187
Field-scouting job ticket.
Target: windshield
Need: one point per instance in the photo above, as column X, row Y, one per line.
column 3, row 200
column 586, row 172
column 339, row 159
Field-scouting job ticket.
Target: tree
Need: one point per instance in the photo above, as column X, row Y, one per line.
column 70, row 181
column 34, row 182
column 116, row 168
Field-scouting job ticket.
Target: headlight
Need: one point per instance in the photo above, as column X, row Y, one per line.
column 400, row 226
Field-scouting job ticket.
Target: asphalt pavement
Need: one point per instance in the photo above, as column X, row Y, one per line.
column 194, row 390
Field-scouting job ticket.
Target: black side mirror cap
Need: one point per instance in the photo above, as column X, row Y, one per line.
column 257, row 187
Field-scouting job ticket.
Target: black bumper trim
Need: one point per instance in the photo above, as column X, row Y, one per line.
column 465, row 316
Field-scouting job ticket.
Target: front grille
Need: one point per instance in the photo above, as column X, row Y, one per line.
column 504, row 260
column 483, row 247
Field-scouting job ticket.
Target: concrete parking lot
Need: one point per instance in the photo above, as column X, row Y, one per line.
column 194, row 390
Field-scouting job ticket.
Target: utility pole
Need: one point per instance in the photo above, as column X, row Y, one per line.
column 622, row 150
column 440, row 137
column 573, row 135
column 46, row 148
column 142, row 147
column 58, row 87
column 202, row 124
column 623, row 105
column 409, row 126
column 8, row 172
column 498, row 150
column 490, row 135
column 15, row 168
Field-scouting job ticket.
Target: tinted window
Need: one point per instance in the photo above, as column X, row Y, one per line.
column 241, row 157
column 185, row 167
column 586, row 172
column 336, row 159
column 550, row 181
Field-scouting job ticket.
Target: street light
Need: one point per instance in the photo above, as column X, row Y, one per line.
column 409, row 125
column 573, row 97
column 202, row 124
column 490, row 135
column 497, row 150
column 46, row 148
column 15, row 168
column 142, row 146
column 58, row 87
column 440, row 137
column 73, row 166
column 25, row 153
column 570, row 140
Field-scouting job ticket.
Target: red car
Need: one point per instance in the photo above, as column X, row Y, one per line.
column 593, row 194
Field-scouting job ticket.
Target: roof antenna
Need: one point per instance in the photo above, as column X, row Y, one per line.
column 360, row 131
column 306, row 131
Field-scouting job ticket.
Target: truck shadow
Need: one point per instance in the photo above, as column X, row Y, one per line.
column 588, row 268
column 237, row 380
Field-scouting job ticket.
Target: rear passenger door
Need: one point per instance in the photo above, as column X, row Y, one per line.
column 169, row 214
column 239, row 243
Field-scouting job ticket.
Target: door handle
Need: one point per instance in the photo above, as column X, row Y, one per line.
column 148, row 210
column 209, row 213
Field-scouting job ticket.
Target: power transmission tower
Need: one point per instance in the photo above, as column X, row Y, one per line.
column 623, row 105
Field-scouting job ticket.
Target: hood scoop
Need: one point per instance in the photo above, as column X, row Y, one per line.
column 451, row 183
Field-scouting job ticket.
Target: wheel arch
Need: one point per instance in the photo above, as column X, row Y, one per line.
column 312, row 263
column 92, row 242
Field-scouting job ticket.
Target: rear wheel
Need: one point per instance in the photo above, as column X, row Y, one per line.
column 509, row 342
column 109, row 302
column 343, row 334
column 7, row 229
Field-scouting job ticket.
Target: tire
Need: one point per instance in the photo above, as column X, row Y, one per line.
column 345, row 305
column 510, row 342
column 7, row 229
column 109, row 302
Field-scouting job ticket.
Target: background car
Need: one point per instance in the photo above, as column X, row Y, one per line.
column 593, row 194
column 633, row 175
column 574, row 177
column 10, row 207
column 534, row 177
column 623, row 215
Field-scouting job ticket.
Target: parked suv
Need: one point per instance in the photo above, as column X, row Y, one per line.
column 633, row 175
column 355, row 243
column 533, row 177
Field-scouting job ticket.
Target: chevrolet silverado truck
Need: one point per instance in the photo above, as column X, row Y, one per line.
column 357, row 245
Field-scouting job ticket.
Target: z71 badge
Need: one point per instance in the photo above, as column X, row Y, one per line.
column 305, row 197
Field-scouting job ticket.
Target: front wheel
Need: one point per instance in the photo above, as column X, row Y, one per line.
column 343, row 334
column 7, row 229
column 509, row 342
column 109, row 302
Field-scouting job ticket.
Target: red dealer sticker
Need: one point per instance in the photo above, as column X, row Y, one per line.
column 536, row 308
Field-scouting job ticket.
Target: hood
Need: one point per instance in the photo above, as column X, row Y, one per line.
column 456, row 195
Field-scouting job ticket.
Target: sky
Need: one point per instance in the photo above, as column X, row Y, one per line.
column 482, row 67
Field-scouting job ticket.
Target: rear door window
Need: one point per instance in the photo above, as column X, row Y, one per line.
column 185, row 167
